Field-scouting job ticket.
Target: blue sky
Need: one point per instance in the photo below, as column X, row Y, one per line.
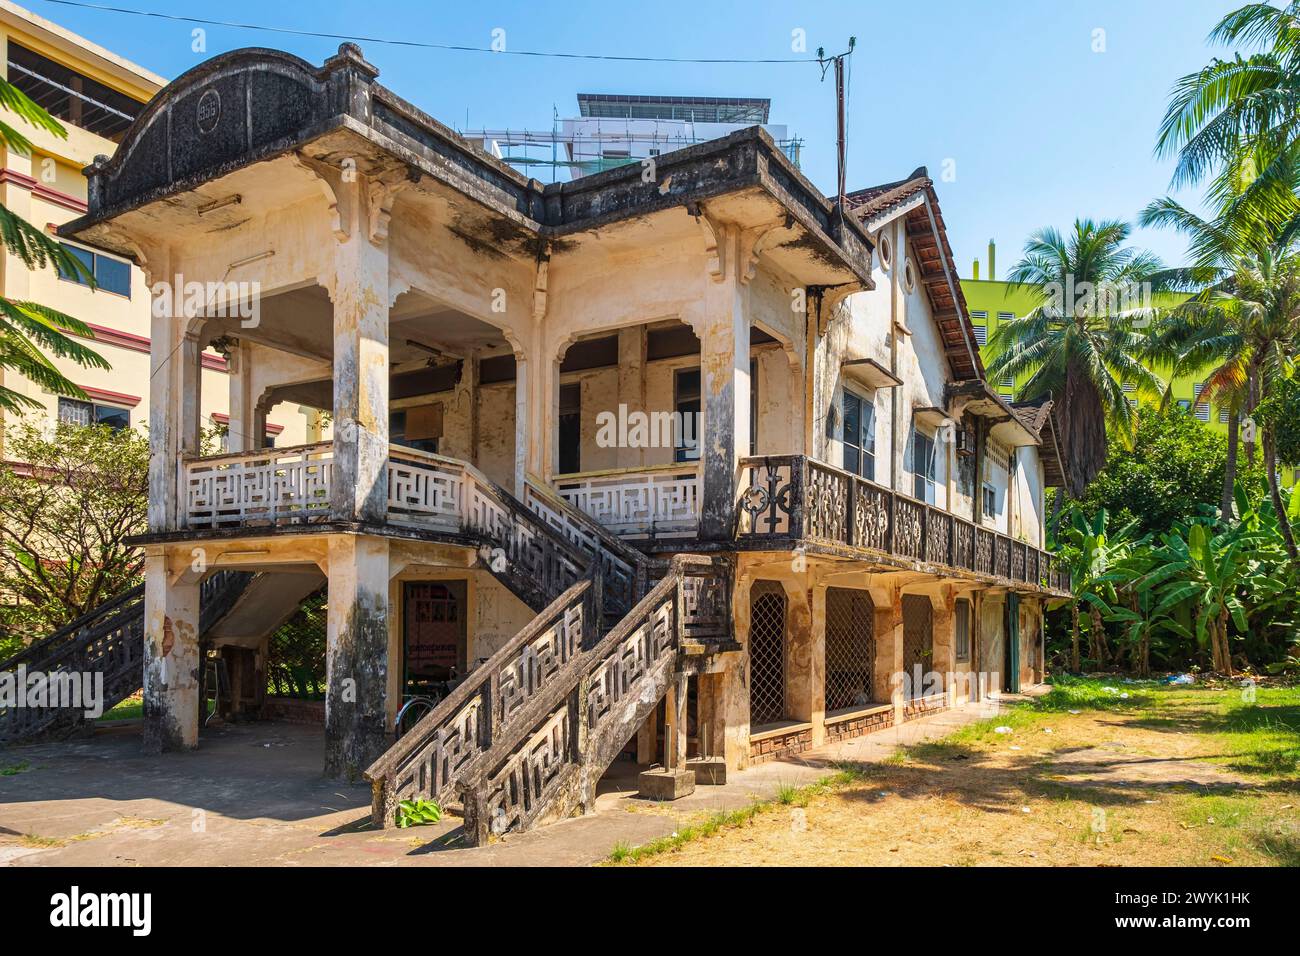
column 1038, row 127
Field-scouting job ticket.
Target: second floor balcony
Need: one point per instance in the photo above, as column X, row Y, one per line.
column 783, row 503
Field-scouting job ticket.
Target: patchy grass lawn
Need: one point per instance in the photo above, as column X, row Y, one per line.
column 1094, row 773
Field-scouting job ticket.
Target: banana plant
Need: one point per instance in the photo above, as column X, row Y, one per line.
column 1094, row 554
column 1202, row 581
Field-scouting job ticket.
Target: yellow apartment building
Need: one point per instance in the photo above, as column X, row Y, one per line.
column 95, row 94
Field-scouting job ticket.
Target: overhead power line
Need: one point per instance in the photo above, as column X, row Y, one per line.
column 461, row 48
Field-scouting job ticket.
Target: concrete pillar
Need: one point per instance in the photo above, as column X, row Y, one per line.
column 171, row 660
column 191, row 423
column 724, row 386
column 631, row 386
column 522, row 423
column 359, row 488
column 240, row 428
column 356, row 654
column 647, row 740
column 883, row 669
column 675, row 729
column 944, row 661
column 801, row 690
column 164, row 394
column 898, row 685
column 731, row 688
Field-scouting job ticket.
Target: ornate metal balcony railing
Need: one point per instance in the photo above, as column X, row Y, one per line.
column 787, row 498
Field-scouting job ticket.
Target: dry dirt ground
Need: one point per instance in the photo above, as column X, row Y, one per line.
column 1162, row 777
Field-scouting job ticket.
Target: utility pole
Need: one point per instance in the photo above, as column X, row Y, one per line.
column 841, row 146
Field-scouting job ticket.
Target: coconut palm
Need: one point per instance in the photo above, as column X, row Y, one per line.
column 28, row 330
column 1194, row 339
column 1238, row 119
column 1083, row 340
column 1245, row 330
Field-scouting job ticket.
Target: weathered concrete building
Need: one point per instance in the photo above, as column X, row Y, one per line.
column 683, row 447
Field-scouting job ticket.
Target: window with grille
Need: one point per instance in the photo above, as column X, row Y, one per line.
column 962, row 628
column 979, row 321
column 850, row 648
column 767, row 606
column 73, row 411
column 1223, row 416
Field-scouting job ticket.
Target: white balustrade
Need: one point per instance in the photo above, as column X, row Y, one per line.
column 270, row 485
column 663, row 502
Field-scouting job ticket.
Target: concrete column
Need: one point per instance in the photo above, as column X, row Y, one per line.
column 523, row 424
column 944, row 661
column 164, row 394
column 898, row 685
column 815, row 599
column 882, row 670
column 360, row 293
column 675, row 730
column 731, row 689
column 191, row 424
column 724, row 384
column 631, row 386
column 647, row 740
column 356, row 654
column 240, row 429
column 171, row 660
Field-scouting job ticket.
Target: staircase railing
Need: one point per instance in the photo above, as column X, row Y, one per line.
column 530, row 556
column 107, row 640
column 431, row 759
column 627, row 573
column 577, row 725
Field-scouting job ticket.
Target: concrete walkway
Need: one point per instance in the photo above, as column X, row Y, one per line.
column 252, row 794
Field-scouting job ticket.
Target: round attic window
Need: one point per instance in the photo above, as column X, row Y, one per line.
column 909, row 276
column 886, row 252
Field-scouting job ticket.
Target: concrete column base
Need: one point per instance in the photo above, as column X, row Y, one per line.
column 665, row 784
column 171, row 660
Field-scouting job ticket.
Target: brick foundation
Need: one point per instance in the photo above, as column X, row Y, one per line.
column 920, row 706
column 796, row 741
column 851, row 727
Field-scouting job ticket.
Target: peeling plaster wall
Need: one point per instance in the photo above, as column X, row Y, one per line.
column 496, row 433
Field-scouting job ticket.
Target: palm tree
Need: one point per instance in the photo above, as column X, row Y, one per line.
column 1245, row 329
column 1238, row 119
column 1190, row 339
column 29, row 330
column 1081, row 344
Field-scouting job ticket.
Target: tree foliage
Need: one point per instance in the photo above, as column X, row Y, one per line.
column 64, row 515
column 1172, row 473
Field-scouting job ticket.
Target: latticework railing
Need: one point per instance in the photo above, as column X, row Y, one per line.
column 108, row 641
column 787, row 498
column 528, row 733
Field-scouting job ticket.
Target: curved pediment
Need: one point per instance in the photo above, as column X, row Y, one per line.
column 226, row 112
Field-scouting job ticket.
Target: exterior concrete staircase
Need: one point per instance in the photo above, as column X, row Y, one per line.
column 526, row 737
column 108, row 641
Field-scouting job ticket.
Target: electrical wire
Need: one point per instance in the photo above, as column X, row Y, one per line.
column 461, row 48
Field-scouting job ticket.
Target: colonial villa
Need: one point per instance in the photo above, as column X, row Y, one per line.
column 857, row 505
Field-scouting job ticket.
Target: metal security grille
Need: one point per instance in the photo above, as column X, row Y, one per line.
column 766, row 652
column 850, row 648
column 918, row 641
column 295, row 664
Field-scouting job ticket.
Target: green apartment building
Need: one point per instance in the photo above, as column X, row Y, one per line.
column 992, row 302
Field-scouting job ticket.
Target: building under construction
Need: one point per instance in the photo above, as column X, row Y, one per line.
column 615, row 129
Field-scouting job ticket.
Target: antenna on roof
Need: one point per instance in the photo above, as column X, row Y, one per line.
column 841, row 147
